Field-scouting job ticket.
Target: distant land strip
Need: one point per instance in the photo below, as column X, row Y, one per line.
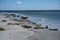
column 29, row 10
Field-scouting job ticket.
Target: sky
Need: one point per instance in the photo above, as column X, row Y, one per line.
column 29, row 4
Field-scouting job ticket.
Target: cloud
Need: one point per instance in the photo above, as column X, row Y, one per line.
column 18, row 2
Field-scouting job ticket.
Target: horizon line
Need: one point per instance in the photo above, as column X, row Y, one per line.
column 0, row 10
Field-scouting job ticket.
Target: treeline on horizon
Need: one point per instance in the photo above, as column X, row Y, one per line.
column 29, row 10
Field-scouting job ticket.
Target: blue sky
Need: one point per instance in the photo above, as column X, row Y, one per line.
column 29, row 4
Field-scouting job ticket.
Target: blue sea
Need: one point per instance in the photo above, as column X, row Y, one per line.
column 52, row 19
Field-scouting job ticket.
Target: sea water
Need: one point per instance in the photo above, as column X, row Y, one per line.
column 52, row 19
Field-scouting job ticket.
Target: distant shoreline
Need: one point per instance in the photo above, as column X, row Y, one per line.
column 29, row 10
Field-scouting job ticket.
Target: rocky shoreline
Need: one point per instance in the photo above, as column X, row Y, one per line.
column 24, row 29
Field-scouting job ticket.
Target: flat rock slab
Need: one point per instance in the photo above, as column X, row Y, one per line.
column 43, row 34
column 14, row 35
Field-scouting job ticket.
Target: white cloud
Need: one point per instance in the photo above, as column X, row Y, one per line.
column 18, row 2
